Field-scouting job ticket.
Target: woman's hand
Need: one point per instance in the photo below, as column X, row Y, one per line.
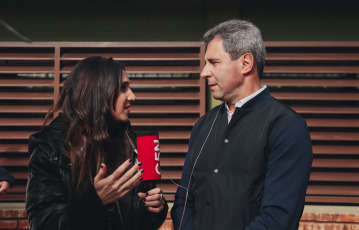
column 4, row 186
column 118, row 184
column 154, row 200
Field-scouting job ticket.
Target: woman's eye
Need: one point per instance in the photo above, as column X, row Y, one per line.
column 124, row 87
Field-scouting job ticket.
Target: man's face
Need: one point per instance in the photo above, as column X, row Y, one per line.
column 223, row 75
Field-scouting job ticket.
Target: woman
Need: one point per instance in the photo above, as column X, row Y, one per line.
column 83, row 170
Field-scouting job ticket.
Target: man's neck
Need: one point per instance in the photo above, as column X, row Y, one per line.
column 232, row 105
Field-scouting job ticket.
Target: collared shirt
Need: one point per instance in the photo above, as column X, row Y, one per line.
column 240, row 103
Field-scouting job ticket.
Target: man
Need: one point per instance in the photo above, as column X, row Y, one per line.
column 6, row 180
column 249, row 159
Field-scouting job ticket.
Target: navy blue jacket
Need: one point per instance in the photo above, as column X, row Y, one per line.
column 252, row 173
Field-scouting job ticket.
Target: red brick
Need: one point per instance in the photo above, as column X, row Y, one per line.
column 8, row 224
column 321, row 226
column 23, row 224
column 167, row 225
column 13, row 213
column 351, row 227
column 324, row 217
column 308, row 216
column 349, row 218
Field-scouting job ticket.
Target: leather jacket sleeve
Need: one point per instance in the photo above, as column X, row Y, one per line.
column 47, row 202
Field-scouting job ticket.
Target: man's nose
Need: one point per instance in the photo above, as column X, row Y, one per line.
column 206, row 73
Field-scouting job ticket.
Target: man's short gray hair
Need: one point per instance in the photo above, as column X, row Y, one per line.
column 239, row 37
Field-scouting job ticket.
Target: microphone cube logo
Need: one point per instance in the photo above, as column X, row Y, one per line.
column 157, row 156
column 148, row 150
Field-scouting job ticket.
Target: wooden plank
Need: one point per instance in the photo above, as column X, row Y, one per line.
column 312, row 56
column 167, row 188
column 13, row 148
column 172, row 162
column 17, row 189
column 14, row 162
column 316, row 96
column 335, row 176
column 326, row 110
column 165, row 82
column 311, row 69
column 150, row 69
column 20, row 175
column 24, row 108
column 334, row 136
column 167, row 95
column 27, row 56
column 311, row 82
column 15, row 135
column 26, row 96
column 158, row 109
column 336, row 190
column 134, row 56
column 26, row 82
column 335, row 163
column 174, row 135
column 13, row 197
column 170, row 175
column 26, row 69
column 336, row 149
column 21, row 121
column 317, row 122
column 173, row 148
column 170, row 198
column 332, row 199
column 163, row 121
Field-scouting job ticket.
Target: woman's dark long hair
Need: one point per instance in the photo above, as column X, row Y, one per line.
column 93, row 137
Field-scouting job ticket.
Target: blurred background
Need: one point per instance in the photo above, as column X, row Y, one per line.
column 168, row 20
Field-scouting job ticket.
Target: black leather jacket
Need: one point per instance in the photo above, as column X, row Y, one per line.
column 52, row 203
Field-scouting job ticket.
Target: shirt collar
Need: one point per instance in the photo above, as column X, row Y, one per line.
column 240, row 103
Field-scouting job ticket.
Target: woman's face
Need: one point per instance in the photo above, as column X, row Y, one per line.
column 122, row 104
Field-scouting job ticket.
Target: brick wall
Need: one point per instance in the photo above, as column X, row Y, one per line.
column 11, row 219
column 329, row 221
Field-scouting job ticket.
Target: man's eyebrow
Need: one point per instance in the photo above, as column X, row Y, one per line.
column 213, row 59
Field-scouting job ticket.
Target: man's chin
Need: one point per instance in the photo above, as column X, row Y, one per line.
column 217, row 97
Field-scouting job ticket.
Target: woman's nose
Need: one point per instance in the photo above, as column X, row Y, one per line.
column 131, row 96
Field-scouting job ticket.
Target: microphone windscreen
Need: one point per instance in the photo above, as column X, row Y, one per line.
column 148, row 150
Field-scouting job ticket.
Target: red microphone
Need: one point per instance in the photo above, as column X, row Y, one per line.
column 148, row 150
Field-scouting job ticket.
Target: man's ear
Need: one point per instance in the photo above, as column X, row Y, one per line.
column 247, row 62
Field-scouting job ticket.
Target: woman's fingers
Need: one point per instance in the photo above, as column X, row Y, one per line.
column 156, row 209
column 130, row 175
column 134, row 179
column 101, row 174
column 117, row 174
column 116, row 185
column 154, row 200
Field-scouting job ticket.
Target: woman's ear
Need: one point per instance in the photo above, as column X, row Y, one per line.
column 247, row 62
